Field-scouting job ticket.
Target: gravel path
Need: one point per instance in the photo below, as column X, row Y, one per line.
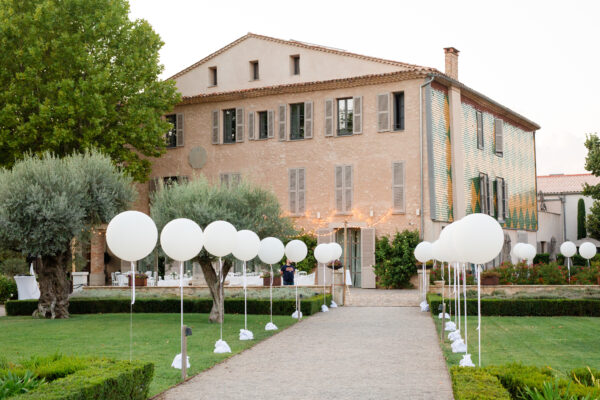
column 348, row 353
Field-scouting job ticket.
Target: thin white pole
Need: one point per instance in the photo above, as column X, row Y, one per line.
column 181, row 295
column 245, row 299
column 323, row 283
column 457, row 274
column 465, row 297
column 131, row 310
column 271, row 293
column 222, row 305
column 479, row 312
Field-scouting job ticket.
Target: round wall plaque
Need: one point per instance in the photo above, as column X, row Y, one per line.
column 197, row 157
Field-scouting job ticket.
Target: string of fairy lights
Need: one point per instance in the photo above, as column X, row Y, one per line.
column 355, row 215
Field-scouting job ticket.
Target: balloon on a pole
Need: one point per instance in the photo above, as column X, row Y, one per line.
column 568, row 249
column 246, row 246
column 296, row 250
column 181, row 239
column 423, row 252
column 323, row 253
column 517, row 251
column 587, row 250
column 479, row 238
column 271, row 250
column 219, row 238
column 528, row 252
column 131, row 235
column 336, row 250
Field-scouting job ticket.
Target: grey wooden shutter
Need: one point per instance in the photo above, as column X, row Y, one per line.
column 329, row 117
column 483, row 188
column 308, row 120
column 348, row 188
column 293, row 190
column 215, row 127
column 153, row 186
column 179, row 130
column 500, row 198
column 505, row 199
column 479, row 130
column 367, row 255
column 490, row 195
column 225, row 180
column 339, row 188
column 398, row 186
column 383, row 112
column 301, row 190
column 239, row 124
column 357, row 115
column 499, row 136
column 250, row 125
column 282, row 121
column 270, row 124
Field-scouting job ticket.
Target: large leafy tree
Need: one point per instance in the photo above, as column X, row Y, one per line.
column 592, row 164
column 245, row 206
column 79, row 75
column 46, row 202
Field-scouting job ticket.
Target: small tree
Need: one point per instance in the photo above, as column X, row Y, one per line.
column 245, row 206
column 395, row 260
column 46, row 202
column 581, row 233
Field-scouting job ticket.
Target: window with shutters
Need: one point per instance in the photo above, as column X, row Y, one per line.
column 500, row 199
column 229, row 125
column 398, row 187
column 295, row 64
column 345, row 116
column 263, row 125
column 344, row 189
column 479, row 130
column 499, row 137
column 297, row 190
column 169, row 181
column 254, row 70
column 230, row 179
column 172, row 134
column 399, row 111
column 297, row 121
column 212, row 76
column 484, row 193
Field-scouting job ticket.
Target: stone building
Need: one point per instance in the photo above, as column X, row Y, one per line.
column 346, row 140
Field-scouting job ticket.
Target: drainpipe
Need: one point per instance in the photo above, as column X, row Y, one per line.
column 421, row 150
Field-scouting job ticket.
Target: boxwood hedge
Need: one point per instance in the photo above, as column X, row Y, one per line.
column 476, row 384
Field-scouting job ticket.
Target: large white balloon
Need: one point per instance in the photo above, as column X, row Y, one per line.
column 436, row 251
column 449, row 249
column 517, row 251
column 296, row 250
column 323, row 253
column 131, row 235
column 336, row 250
column 528, row 252
column 181, row 239
column 271, row 250
column 219, row 238
column 587, row 250
column 568, row 249
column 246, row 245
column 479, row 238
column 423, row 252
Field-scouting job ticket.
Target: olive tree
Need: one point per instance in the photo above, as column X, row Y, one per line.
column 46, row 202
column 246, row 206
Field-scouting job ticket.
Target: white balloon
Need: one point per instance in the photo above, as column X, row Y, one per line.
column 336, row 250
column 181, row 239
column 480, row 238
column 271, row 250
column 323, row 253
column 587, row 250
column 528, row 252
column 296, row 250
column 131, row 235
column 517, row 251
column 449, row 249
column 436, row 250
column 219, row 238
column 246, row 246
column 568, row 249
column 423, row 252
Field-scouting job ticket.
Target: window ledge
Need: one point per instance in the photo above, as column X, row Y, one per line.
column 343, row 213
column 296, row 215
column 398, row 212
column 398, row 130
column 212, row 86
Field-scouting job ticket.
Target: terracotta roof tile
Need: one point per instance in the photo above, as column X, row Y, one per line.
column 552, row 184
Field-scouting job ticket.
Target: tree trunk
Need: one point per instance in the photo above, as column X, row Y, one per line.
column 54, row 287
column 213, row 285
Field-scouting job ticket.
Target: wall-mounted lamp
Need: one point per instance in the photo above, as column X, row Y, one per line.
column 371, row 212
column 318, row 215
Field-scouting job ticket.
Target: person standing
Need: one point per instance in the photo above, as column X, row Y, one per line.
column 287, row 270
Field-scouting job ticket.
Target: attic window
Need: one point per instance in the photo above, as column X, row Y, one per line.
column 212, row 76
column 254, row 76
column 295, row 64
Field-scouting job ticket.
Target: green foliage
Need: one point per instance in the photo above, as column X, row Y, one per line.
column 593, row 221
column 541, row 258
column 172, row 305
column 581, row 233
column 476, row 384
column 8, row 288
column 79, row 75
column 13, row 384
column 395, row 260
column 58, row 199
column 592, row 164
column 586, row 376
column 309, row 263
column 14, row 266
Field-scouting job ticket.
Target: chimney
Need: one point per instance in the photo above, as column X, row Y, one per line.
column 451, row 62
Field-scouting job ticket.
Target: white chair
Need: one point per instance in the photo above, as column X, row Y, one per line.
column 113, row 279
column 302, row 273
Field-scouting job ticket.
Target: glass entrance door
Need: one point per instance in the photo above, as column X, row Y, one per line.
column 353, row 248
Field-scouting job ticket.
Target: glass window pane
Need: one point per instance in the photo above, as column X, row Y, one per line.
column 171, row 136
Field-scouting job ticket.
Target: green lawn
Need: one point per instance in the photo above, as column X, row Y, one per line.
column 559, row 342
column 155, row 338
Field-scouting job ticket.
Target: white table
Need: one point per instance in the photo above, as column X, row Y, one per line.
column 174, row 282
column 27, row 287
column 250, row 281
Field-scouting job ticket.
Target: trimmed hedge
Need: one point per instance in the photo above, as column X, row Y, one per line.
column 476, row 384
column 309, row 306
column 73, row 378
column 523, row 307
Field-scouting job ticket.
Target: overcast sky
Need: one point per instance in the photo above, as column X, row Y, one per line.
column 539, row 58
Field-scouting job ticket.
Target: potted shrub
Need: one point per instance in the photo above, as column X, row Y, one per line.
column 490, row 278
column 140, row 280
column 267, row 278
column 337, row 264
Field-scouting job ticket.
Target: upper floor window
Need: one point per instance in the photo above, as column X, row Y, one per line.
column 229, row 126
column 484, row 194
column 254, row 70
column 295, row 64
column 345, row 116
column 398, row 111
column 296, row 121
column 263, row 125
column 498, row 137
column 172, row 134
column 479, row 130
column 212, row 76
